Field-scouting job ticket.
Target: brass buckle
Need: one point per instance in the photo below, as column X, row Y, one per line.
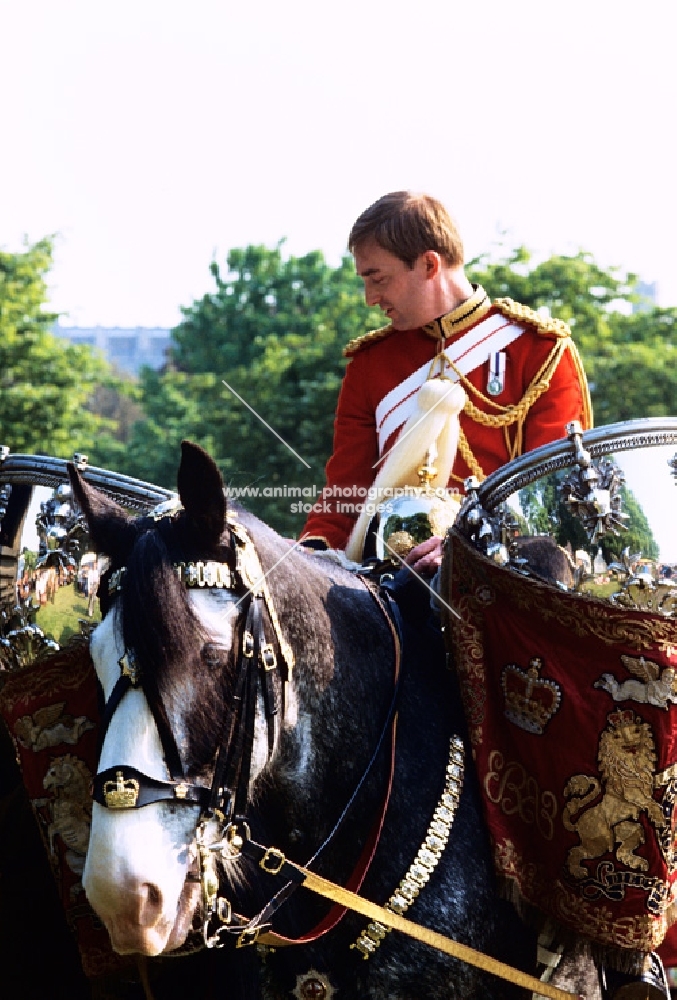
column 247, row 644
column 247, row 937
column 278, row 856
column 268, row 657
column 224, row 911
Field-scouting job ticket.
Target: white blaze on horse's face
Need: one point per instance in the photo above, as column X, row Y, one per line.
column 138, row 859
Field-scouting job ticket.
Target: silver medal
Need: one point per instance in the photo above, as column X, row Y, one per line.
column 496, row 377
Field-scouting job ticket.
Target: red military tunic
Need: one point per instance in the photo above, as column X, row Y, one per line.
column 383, row 359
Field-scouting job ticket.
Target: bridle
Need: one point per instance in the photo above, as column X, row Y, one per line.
column 258, row 668
column 258, row 664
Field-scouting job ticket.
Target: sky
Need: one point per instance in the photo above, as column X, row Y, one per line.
column 151, row 137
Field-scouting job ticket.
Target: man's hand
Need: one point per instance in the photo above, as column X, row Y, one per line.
column 425, row 558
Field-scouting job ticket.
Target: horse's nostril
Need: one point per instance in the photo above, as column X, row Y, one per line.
column 150, row 904
column 154, row 895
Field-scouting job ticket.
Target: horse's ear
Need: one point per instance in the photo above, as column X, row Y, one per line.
column 201, row 491
column 111, row 529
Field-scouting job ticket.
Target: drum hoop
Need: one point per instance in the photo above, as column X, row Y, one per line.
column 43, row 470
column 646, row 432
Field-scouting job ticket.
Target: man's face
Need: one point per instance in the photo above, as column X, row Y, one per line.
column 403, row 293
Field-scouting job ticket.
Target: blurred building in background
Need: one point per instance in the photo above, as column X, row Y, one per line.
column 128, row 348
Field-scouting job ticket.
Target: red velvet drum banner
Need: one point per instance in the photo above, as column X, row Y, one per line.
column 571, row 706
column 52, row 714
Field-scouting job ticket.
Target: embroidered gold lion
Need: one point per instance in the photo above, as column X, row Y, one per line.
column 627, row 758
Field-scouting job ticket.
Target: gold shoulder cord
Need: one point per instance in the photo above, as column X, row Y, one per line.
column 506, row 416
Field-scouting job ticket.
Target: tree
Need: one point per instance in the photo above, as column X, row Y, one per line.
column 629, row 356
column 274, row 330
column 635, row 375
column 638, row 536
column 44, row 382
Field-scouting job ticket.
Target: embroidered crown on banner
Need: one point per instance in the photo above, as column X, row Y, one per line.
column 530, row 701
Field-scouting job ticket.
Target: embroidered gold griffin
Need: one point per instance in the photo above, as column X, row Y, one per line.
column 68, row 780
column 626, row 757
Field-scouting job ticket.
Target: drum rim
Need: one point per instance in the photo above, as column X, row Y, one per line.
column 44, row 470
column 627, row 435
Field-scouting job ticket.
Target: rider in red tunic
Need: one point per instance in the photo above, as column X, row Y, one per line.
column 521, row 372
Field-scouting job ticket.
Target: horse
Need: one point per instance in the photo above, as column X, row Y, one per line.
column 335, row 753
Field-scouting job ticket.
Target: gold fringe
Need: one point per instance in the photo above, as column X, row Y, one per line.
column 621, row 959
column 357, row 343
column 585, row 389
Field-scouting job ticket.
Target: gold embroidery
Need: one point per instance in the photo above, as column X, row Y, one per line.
column 652, row 687
column 509, row 786
column 627, row 759
column 546, row 325
column 50, row 726
column 68, row 782
column 639, row 932
column 461, row 318
column 452, row 323
column 63, row 672
column 530, row 701
column 582, row 615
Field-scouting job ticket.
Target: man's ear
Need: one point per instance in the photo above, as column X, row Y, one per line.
column 433, row 263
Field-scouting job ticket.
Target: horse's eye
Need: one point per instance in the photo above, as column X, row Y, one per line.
column 212, row 654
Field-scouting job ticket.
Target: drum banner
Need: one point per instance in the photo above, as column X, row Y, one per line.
column 51, row 711
column 570, row 703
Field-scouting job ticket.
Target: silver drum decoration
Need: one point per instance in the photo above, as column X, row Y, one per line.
column 48, row 573
column 607, row 497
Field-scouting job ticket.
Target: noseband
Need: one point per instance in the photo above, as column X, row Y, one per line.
column 123, row 786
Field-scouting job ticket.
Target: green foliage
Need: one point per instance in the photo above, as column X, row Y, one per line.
column 630, row 357
column 44, row 382
column 274, row 330
column 574, row 289
column 544, row 511
column 638, row 537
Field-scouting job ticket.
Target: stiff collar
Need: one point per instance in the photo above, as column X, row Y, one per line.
column 461, row 318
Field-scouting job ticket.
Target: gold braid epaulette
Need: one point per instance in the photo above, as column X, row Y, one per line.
column 355, row 345
column 525, row 314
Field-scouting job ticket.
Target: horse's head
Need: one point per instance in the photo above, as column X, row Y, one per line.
column 181, row 588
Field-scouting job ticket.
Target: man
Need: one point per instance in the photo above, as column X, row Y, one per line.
column 521, row 373
column 522, row 376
